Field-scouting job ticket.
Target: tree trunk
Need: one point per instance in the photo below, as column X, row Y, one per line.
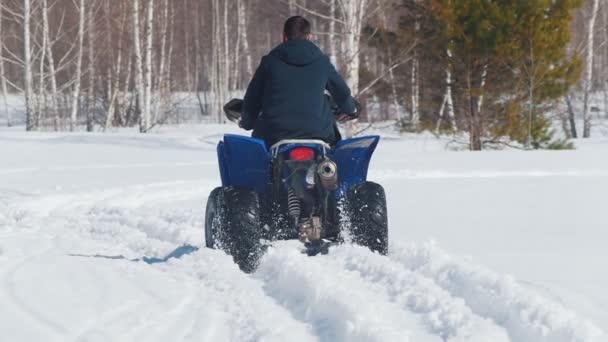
column 244, row 37
column 447, row 105
column 126, row 93
column 30, row 123
column 604, row 71
column 333, row 50
column 571, row 118
column 589, row 69
column 353, row 13
column 415, row 96
column 91, row 96
column 162, row 60
column 3, row 77
column 531, row 85
column 235, row 65
column 139, row 71
column 115, row 72
column 51, row 62
column 474, row 105
column 220, row 58
column 78, row 76
column 226, row 56
column 148, row 65
column 41, row 105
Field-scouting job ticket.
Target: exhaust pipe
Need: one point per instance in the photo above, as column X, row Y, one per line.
column 328, row 174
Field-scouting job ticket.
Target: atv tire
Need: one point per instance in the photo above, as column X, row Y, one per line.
column 232, row 224
column 367, row 215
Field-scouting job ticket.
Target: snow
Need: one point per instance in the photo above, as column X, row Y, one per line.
column 491, row 246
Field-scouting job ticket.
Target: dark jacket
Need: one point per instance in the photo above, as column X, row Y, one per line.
column 285, row 99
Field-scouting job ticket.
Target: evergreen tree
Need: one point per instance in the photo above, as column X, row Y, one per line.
column 535, row 53
column 509, row 60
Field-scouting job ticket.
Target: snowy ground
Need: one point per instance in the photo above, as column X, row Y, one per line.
column 491, row 246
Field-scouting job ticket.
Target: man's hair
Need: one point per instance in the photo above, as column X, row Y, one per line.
column 296, row 28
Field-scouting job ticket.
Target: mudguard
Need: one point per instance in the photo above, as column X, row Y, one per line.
column 352, row 157
column 244, row 162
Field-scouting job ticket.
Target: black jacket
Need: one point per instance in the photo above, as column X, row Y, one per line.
column 285, row 99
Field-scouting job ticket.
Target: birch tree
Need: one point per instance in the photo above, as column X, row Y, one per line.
column 139, row 68
column 415, row 92
column 333, row 50
column 78, row 74
column 3, row 71
column 353, row 13
column 148, row 67
column 163, row 62
column 91, row 96
column 243, row 37
column 27, row 63
column 114, row 73
column 589, row 68
column 51, row 64
column 220, row 60
column 447, row 104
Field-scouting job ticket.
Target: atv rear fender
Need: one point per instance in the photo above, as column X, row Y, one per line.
column 246, row 162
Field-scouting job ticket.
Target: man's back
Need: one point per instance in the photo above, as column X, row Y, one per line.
column 285, row 99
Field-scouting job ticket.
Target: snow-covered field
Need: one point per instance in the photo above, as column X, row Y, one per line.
column 491, row 246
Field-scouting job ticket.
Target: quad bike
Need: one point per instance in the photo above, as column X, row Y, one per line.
column 296, row 189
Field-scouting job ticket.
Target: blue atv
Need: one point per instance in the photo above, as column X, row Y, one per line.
column 294, row 190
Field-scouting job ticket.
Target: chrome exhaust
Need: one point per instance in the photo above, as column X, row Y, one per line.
column 328, row 175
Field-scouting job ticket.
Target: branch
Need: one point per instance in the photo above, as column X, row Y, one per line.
column 13, row 84
column 11, row 12
column 377, row 79
column 389, row 69
column 320, row 15
column 16, row 59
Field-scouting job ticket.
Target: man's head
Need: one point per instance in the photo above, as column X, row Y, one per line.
column 296, row 28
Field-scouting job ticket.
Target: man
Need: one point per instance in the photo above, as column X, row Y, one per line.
column 285, row 99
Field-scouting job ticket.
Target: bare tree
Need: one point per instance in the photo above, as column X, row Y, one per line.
column 114, row 73
column 3, row 71
column 31, row 124
column 447, row 104
column 148, row 67
column 163, row 62
column 91, row 96
column 78, row 75
column 589, row 68
column 139, row 68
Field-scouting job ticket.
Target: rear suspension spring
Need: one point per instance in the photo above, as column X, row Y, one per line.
column 293, row 205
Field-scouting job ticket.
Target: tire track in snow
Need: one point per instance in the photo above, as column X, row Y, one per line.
column 234, row 303
column 161, row 331
column 20, row 303
column 144, row 219
column 338, row 303
column 525, row 315
column 94, row 330
column 441, row 313
column 84, row 213
column 304, row 286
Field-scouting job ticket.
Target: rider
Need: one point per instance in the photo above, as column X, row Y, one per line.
column 285, row 99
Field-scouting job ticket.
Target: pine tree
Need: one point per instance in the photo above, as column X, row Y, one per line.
column 535, row 54
column 509, row 60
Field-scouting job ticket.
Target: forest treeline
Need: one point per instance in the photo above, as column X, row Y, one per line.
column 496, row 70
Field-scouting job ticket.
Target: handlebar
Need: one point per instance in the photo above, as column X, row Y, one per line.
column 234, row 108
